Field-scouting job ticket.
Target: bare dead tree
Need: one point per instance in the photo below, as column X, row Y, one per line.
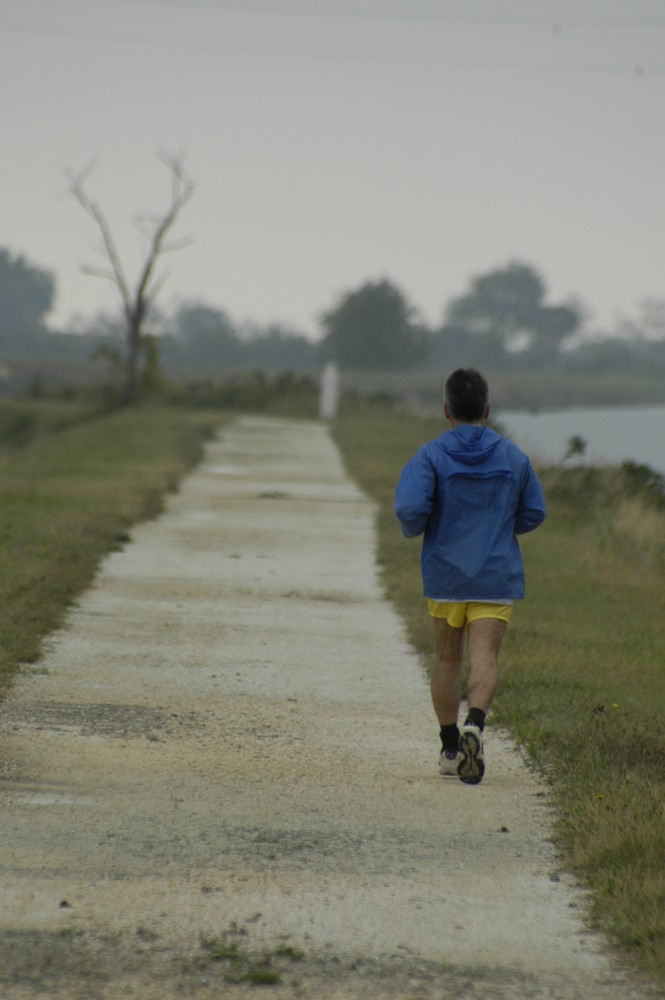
column 137, row 301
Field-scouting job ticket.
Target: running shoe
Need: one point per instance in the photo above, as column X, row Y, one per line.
column 448, row 763
column 471, row 759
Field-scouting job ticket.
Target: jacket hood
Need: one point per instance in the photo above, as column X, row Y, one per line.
column 469, row 444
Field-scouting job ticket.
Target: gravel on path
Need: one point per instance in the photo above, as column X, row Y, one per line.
column 223, row 775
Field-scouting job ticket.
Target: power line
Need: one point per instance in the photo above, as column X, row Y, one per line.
column 556, row 20
column 376, row 58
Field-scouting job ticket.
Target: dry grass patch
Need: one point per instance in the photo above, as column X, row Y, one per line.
column 583, row 685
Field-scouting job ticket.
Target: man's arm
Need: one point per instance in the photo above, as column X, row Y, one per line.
column 414, row 494
column 531, row 511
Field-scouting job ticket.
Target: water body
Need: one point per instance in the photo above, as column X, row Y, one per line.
column 612, row 434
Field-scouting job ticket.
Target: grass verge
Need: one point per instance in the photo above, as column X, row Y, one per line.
column 72, row 483
column 231, row 951
column 582, row 682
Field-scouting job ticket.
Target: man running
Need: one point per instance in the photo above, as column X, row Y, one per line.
column 471, row 491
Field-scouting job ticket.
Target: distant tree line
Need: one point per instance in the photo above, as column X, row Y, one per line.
column 27, row 294
column 502, row 322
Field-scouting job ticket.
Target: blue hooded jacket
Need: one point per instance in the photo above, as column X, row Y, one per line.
column 471, row 492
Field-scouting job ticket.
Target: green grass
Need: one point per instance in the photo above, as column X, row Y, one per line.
column 72, row 484
column 22, row 422
column 582, row 681
column 240, row 964
column 518, row 390
column 582, row 686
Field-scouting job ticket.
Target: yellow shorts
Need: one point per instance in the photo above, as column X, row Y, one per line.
column 459, row 615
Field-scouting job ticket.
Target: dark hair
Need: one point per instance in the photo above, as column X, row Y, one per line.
column 467, row 394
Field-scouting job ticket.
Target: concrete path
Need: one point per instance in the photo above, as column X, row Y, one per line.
column 223, row 775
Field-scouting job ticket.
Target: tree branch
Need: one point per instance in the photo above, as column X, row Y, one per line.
column 182, row 189
column 77, row 189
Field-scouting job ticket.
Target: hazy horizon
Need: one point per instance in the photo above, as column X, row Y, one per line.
column 334, row 144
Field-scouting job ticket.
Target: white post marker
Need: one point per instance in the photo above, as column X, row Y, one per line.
column 329, row 392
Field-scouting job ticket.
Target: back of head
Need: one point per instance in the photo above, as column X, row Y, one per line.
column 466, row 394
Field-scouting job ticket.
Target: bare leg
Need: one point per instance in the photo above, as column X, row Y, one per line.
column 445, row 676
column 485, row 637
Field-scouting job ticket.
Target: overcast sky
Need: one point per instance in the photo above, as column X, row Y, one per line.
column 337, row 141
